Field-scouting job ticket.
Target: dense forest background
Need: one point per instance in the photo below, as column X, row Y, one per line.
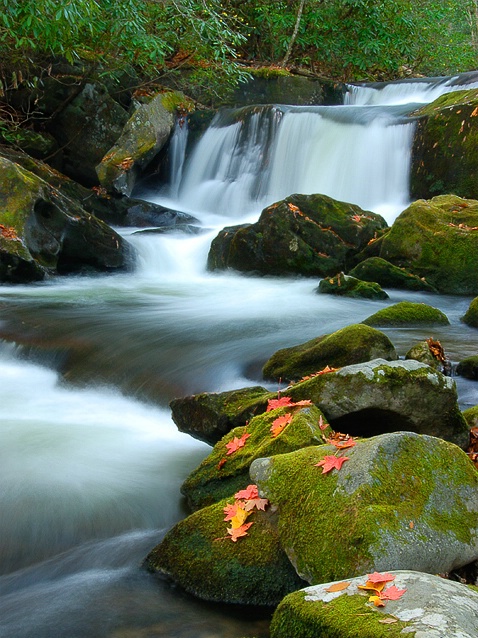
column 219, row 42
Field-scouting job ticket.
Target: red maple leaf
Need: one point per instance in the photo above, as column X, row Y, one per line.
column 341, row 445
column 392, row 593
column 376, row 577
column 221, row 463
column 328, row 463
column 273, row 404
column 230, row 511
column 280, row 423
column 237, row 532
column 237, row 443
column 250, row 493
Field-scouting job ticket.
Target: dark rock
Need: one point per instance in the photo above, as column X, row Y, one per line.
column 468, row 368
column 348, row 286
column 471, row 315
column 389, row 276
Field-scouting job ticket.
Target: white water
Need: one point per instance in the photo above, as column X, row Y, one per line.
column 93, row 470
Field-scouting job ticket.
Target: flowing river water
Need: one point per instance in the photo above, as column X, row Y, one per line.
column 90, row 462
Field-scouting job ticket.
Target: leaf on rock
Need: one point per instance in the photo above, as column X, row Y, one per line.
column 369, row 586
column 392, row 593
column 250, row 493
column 377, row 601
column 237, row 532
column 322, row 424
column 230, row 511
column 237, row 443
column 338, row 586
column 283, row 402
column 258, row 503
column 280, row 423
column 239, row 518
column 376, row 577
column 328, row 463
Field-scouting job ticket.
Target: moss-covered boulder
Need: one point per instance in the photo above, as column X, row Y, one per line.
column 471, row 315
column 211, row 415
column 44, row 232
column 385, row 396
column 445, row 155
column 407, row 313
column 311, row 235
column 200, row 557
column 468, row 367
column 86, row 129
column 471, row 416
column 221, row 474
column 437, row 239
column 399, row 501
column 352, row 344
column 430, row 352
column 430, row 606
column 386, row 274
column 347, row 286
column 143, row 136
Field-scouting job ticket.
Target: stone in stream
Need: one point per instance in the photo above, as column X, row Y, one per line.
column 347, row 286
column 407, row 313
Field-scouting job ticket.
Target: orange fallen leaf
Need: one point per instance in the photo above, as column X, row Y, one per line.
column 221, row 463
column 251, row 492
column 258, row 503
column 237, row 532
column 322, row 424
column 239, row 518
column 342, row 445
column 280, row 424
column 328, row 463
column 338, row 586
column 237, row 443
column 273, row 404
column 377, row 601
column 369, row 586
column 392, row 593
column 376, row 577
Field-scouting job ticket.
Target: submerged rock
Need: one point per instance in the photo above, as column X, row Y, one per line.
column 431, row 607
column 348, row 286
column 199, row 556
column 310, row 235
column 222, row 474
column 399, row 501
column 438, row 240
column 384, row 396
column 407, row 313
column 390, row 276
column 353, row 344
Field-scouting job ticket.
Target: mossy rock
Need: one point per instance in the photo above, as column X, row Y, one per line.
column 437, row 239
column 407, row 313
column 400, row 501
column 348, row 286
column 310, row 235
column 471, row 315
column 386, row 274
column 143, row 136
column 211, row 415
column 352, row 344
column 222, row 474
column 430, row 606
column 381, row 396
column 421, row 352
column 445, row 155
column 40, row 225
column 471, row 416
column 468, row 368
column 200, row 557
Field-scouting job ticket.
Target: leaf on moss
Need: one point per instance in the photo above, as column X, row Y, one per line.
column 388, row 621
column 237, row 443
column 328, row 463
column 251, row 492
column 239, row 518
column 237, row 532
column 341, row 441
column 283, row 402
column 280, row 423
column 257, row 503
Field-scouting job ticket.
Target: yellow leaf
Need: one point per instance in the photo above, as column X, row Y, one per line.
column 239, row 518
column 338, row 587
column 377, row 601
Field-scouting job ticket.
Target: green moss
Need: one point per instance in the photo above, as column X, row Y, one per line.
column 347, row 286
column 386, row 274
column 407, row 313
column 221, row 475
column 344, row 617
column 471, row 416
column 471, row 315
column 177, row 102
column 268, row 72
column 468, row 367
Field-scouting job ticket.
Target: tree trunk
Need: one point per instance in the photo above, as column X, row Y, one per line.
column 294, row 33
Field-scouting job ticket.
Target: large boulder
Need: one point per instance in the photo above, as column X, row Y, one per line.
column 397, row 501
column 223, row 473
column 347, row 286
column 143, row 136
column 211, row 415
column 352, row 344
column 407, row 313
column 46, row 232
column 389, row 276
column 445, row 155
column 438, row 240
column 311, row 235
column 199, row 556
column 430, row 606
column 384, row 396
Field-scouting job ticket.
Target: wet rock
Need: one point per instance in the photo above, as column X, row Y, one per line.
column 399, row 501
column 431, row 607
column 353, row 344
column 468, row 367
column 210, row 415
column 431, row 353
column 348, row 286
column 389, row 276
column 437, row 239
column 407, row 313
column 379, row 396
column 471, row 315
column 310, row 235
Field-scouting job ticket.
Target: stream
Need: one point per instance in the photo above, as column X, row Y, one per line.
column 90, row 461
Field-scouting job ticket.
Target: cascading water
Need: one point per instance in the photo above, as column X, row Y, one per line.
column 90, row 461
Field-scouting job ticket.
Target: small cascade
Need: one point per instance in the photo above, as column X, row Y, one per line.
column 177, row 155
